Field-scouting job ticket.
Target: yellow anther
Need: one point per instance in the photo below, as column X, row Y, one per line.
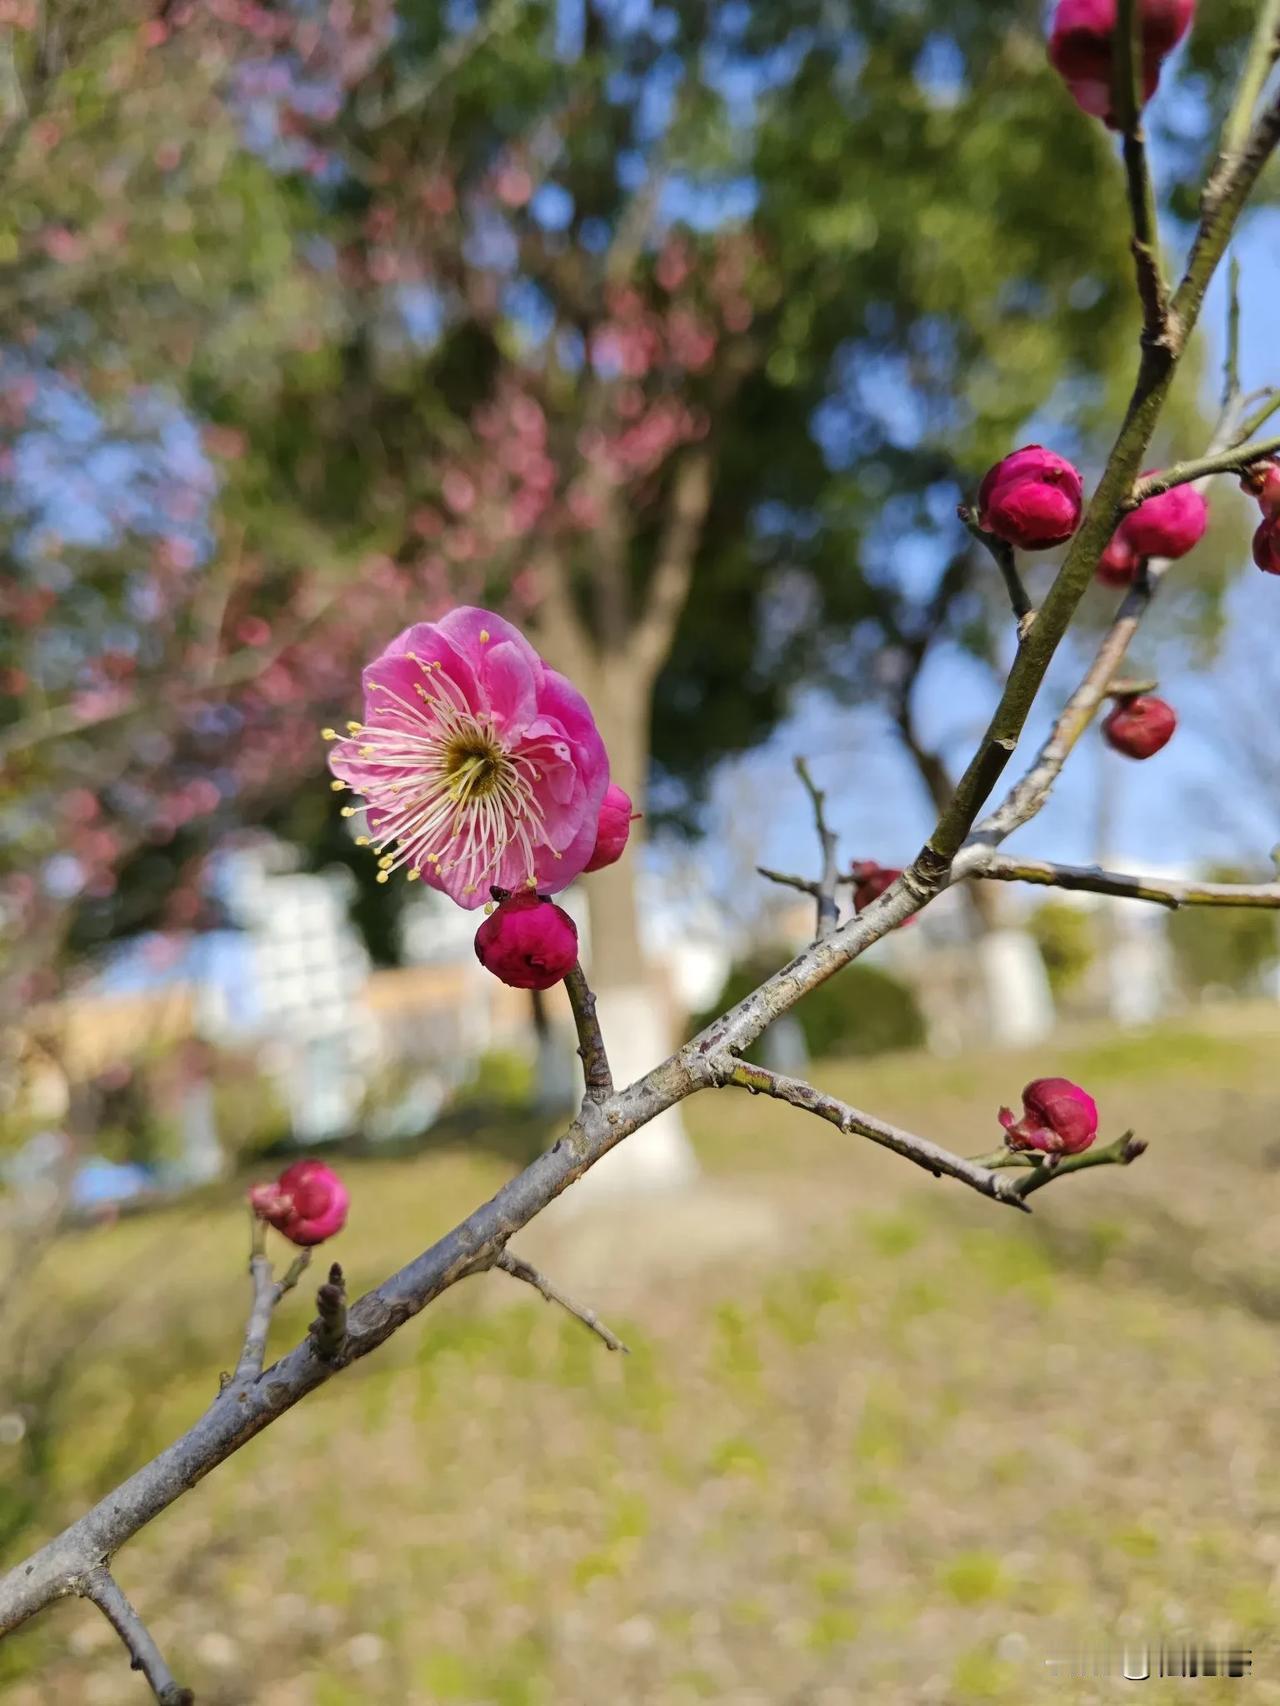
column 484, row 635
column 362, row 840
column 354, row 728
column 328, row 734
column 384, row 876
column 347, row 811
column 413, row 876
column 366, row 752
column 337, row 787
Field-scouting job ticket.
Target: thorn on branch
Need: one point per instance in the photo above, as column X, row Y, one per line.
column 328, row 1332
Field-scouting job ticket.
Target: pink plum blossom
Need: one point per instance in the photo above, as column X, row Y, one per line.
column 479, row 765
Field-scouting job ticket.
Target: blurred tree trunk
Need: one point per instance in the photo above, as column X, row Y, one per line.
column 614, row 656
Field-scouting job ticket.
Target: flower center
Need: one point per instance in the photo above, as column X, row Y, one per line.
column 473, row 766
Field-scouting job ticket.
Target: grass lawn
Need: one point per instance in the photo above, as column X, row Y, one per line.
column 878, row 1440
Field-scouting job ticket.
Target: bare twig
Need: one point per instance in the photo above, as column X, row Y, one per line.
column 267, row 1292
column 100, row 1586
column 522, row 1270
column 1029, row 795
column 1092, row 880
column 824, row 890
column 805, row 884
column 760, row 1081
column 591, row 1049
column 1121, row 1153
column 1230, row 461
column 1231, row 360
column 1264, row 49
column 1002, row 552
column 1127, row 100
column 1254, row 422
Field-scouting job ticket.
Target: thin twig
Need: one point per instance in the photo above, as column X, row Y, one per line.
column 1002, row 553
column 1127, row 100
column 824, row 890
column 1230, row 461
column 1121, row 1153
column 760, row 1081
column 1231, row 360
column 1260, row 417
column 1091, row 879
column 1264, row 49
column 1029, row 795
column 101, row 1587
column 591, row 1049
column 267, row 1292
column 522, row 1270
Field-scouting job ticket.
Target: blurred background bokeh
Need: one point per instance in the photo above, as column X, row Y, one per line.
column 676, row 333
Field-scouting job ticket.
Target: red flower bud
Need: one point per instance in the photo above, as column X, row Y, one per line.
column 1262, row 481
column 870, row 880
column 307, row 1203
column 1032, row 499
column 1058, row 1118
column 1266, row 546
column 1119, row 563
column 527, row 941
column 1139, row 725
column 1168, row 525
column 614, row 829
column 1082, row 38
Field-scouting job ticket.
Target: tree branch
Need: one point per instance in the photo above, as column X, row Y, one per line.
column 591, row 1049
column 267, row 1292
column 509, row 1263
column 1091, row 879
column 1127, row 100
column 100, row 1586
column 760, row 1081
column 1229, row 461
column 1028, row 797
column 1264, row 50
column 673, row 572
column 824, row 890
column 561, row 630
column 1155, row 375
column 1002, row 552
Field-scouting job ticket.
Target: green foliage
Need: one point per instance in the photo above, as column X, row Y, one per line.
column 1224, row 948
column 1064, row 935
column 862, row 1011
column 500, row 1079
